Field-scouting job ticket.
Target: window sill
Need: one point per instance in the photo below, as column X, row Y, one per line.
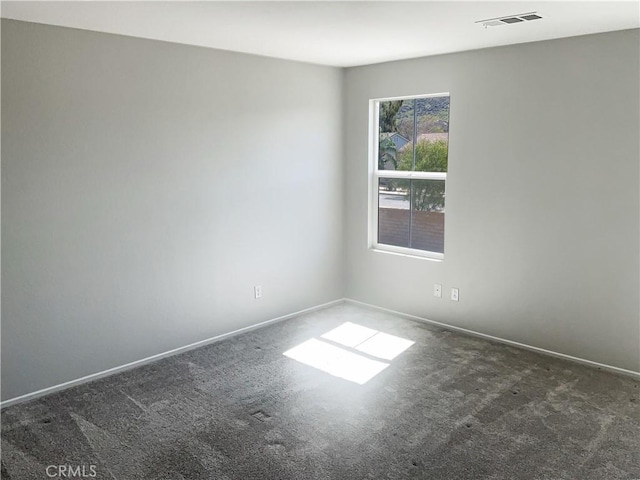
column 431, row 256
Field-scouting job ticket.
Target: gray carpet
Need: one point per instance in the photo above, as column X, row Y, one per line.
column 448, row 407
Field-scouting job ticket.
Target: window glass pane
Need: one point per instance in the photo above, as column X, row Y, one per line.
column 393, row 212
column 390, row 140
column 413, row 136
column 427, row 215
column 432, row 137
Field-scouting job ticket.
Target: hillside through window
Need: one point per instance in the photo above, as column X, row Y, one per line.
column 409, row 174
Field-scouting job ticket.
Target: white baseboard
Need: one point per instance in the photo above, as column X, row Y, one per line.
column 445, row 326
column 175, row 351
column 153, row 358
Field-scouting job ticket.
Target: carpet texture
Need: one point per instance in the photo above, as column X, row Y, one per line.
column 449, row 406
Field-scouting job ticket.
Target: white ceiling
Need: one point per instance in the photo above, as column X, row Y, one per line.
column 336, row 33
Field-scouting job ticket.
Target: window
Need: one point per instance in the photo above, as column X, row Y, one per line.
column 409, row 158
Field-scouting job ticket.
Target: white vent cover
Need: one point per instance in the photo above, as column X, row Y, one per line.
column 509, row 19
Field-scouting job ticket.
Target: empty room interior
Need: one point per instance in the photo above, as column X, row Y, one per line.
column 320, row 240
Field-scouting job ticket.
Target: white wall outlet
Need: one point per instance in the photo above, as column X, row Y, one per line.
column 257, row 291
column 437, row 290
column 454, row 294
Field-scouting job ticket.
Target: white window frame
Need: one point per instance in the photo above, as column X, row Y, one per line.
column 375, row 175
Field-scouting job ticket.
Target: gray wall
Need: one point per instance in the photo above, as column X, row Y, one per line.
column 542, row 214
column 147, row 186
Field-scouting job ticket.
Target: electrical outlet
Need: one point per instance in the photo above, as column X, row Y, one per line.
column 454, row 294
column 257, row 291
column 437, row 290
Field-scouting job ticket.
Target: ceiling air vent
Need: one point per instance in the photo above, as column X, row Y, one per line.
column 509, row 19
